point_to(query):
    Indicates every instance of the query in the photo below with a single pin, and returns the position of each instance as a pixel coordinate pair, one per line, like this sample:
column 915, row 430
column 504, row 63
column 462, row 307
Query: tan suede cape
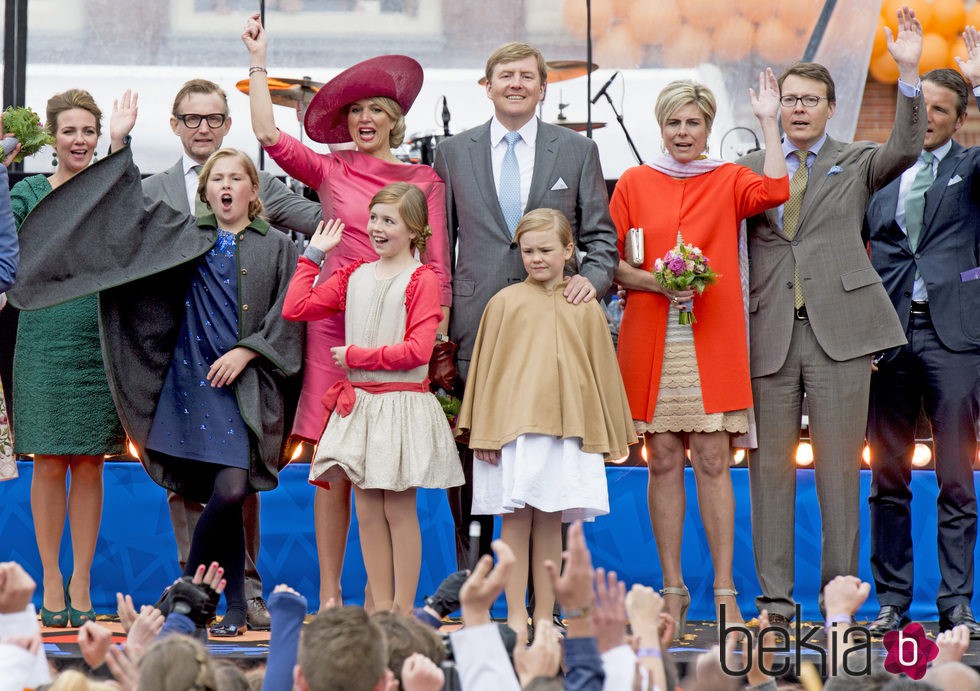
column 543, row 366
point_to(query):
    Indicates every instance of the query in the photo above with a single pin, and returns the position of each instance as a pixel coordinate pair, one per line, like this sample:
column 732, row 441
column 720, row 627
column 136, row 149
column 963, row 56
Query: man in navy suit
column 924, row 230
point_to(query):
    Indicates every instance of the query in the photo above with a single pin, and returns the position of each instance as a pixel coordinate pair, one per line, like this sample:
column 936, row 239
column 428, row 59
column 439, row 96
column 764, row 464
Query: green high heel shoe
column 54, row 619
column 77, row 617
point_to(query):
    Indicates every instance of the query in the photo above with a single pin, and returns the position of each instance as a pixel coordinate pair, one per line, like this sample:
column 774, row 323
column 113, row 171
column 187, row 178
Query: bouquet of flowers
column 26, row 127
column 684, row 267
column 450, row 406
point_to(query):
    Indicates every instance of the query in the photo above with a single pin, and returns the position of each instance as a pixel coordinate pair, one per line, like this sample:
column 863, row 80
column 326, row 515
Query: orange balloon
column 884, row 69
column 688, row 48
column 922, row 9
column 575, row 19
column 973, row 15
column 758, row 10
column 733, row 40
column 956, row 49
column 880, row 44
column 619, row 49
column 706, row 14
column 948, row 17
column 654, row 22
column 799, row 16
column 777, row 44
column 935, row 53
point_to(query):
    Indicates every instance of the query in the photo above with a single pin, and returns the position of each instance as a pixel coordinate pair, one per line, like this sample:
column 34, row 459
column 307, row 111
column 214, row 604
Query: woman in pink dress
column 364, row 104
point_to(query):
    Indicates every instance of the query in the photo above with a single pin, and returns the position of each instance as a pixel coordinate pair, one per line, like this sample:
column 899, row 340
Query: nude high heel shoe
column 685, row 595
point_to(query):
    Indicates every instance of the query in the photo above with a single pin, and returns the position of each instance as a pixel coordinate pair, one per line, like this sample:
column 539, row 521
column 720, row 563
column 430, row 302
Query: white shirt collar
column 188, row 163
column 942, row 151
column 528, row 132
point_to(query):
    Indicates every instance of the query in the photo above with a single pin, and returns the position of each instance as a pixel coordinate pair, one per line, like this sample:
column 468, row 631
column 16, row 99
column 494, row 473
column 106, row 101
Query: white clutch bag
column 633, row 247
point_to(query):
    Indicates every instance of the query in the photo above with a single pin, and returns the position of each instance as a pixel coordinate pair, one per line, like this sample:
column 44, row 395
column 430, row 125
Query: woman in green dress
column 63, row 411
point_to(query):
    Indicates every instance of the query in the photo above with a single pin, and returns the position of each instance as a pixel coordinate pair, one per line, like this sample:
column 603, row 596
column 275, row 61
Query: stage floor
column 136, row 551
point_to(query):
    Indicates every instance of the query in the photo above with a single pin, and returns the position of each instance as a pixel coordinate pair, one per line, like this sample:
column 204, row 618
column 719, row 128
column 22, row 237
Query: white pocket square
column 954, row 180
column 560, row 185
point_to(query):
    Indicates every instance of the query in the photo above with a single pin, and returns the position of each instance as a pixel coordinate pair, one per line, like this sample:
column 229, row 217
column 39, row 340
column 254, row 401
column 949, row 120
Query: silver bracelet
column 256, row 68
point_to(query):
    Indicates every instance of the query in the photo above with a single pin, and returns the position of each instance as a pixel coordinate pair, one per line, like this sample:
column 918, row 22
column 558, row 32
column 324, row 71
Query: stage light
column 739, row 456
column 133, row 451
column 804, row 454
column 618, row 461
column 866, row 455
column 921, row 456
column 297, row 452
column 644, row 454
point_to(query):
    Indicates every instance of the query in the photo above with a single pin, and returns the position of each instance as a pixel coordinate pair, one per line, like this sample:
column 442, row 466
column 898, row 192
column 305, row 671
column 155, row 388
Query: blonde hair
column 683, row 92
column 176, row 663
column 69, row 100
column 412, row 207
column 512, row 52
column 395, row 113
column 73, row 680
column 545, row 219
column 254, row 206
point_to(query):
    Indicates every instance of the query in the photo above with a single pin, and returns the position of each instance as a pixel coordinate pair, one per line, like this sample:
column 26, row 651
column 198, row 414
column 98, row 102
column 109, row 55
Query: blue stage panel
column 136, row 551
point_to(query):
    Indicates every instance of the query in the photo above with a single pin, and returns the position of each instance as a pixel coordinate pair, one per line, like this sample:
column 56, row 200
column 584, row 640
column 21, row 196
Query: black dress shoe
column 222, row 630
column 257, row 615
column 960, row 614
column 890, row 618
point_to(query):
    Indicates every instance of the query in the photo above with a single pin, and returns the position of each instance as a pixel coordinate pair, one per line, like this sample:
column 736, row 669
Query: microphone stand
column 619, row 119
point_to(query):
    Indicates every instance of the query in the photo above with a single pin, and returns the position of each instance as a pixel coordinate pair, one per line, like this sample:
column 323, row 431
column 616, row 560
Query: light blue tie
column 510, row 184
column 915, row 200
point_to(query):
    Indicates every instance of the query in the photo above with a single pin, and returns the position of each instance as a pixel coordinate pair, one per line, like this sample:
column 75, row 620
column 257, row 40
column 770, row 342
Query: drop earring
column 95, row 156
column 54, row 159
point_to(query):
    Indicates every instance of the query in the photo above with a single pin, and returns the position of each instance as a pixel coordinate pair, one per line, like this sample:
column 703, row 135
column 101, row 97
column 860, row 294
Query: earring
column 95, row 156
column 663, row 149
column 54, row 159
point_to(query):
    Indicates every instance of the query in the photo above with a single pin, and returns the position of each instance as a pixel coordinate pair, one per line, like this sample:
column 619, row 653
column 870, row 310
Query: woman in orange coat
column 689, row 384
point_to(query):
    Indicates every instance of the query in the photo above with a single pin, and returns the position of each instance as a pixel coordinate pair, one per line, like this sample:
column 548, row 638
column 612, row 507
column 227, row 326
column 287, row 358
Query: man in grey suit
column 817, row 312
column 925, row 242
column 554, row 168
column 200, row 119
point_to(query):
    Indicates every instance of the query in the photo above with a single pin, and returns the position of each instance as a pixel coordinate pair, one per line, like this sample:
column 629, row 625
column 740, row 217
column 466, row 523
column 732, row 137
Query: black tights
column 219, row 536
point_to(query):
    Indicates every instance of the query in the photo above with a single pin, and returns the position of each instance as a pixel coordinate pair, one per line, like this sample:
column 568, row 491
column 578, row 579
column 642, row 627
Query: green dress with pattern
column 62, row 403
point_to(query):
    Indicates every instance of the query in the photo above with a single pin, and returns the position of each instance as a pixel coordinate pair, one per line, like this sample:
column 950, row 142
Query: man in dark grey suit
column 817, row 313
column 925, row 243
column 200, row 119
column 557, row 169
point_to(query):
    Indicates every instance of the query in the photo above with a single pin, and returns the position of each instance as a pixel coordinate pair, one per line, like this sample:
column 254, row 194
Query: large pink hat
column 398, row 77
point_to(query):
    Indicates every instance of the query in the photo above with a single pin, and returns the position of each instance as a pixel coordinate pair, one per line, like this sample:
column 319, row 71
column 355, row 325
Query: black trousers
column 924, row 375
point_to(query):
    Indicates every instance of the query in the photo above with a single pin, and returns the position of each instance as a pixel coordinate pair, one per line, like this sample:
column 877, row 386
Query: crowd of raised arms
column 207, row 337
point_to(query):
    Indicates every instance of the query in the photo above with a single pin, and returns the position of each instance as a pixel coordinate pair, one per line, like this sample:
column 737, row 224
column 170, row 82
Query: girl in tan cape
column 545, row 407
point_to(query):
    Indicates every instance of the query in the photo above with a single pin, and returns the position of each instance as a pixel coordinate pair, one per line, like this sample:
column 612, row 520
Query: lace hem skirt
column 680, row 406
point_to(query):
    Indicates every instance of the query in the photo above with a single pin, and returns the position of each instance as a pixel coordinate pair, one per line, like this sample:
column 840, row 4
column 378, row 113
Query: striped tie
column 791, row 216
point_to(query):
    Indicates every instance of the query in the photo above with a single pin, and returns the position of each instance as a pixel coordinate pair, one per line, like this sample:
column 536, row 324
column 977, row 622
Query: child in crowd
column 386, row 432
column 545, row 406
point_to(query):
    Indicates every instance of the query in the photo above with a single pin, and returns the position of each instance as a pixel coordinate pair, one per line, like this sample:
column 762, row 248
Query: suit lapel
column 479, row 146
column 935, row 193
column 818, row 178
column 175, row 188
column 545, row 158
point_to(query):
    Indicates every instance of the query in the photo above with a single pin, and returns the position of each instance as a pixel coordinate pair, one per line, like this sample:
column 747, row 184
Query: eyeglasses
column 193, row 120
column 808, row 101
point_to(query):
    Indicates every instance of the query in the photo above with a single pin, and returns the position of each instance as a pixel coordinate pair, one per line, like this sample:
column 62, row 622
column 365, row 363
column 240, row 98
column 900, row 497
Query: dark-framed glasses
column 808, row 101
column 193, row 120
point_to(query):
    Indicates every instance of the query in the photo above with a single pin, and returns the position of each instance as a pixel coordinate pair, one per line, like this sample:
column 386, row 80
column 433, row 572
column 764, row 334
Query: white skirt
column 543, row 472
column 394, row 441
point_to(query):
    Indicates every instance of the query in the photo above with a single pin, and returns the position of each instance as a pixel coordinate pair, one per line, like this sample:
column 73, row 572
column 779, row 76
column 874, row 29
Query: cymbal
column 287, row 91
column 560, row 70
column 578, row 126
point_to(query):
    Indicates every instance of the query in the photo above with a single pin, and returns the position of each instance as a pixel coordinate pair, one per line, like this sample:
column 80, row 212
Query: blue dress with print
column 194, row 420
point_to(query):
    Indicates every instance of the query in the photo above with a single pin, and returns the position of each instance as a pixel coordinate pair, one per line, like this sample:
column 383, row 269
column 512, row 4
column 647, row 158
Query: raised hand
column 16, row 588
column 146, row 627
column 542, row 658
column 485, row 584
column 765, row 102
column 610, row 610
column 255, row 38
column 126, row 611
column 906, row 46
column 971, row 66
column 123, row 118
column 952, row 644
column 328, row 235
column 419, row 673
column 94, row 641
